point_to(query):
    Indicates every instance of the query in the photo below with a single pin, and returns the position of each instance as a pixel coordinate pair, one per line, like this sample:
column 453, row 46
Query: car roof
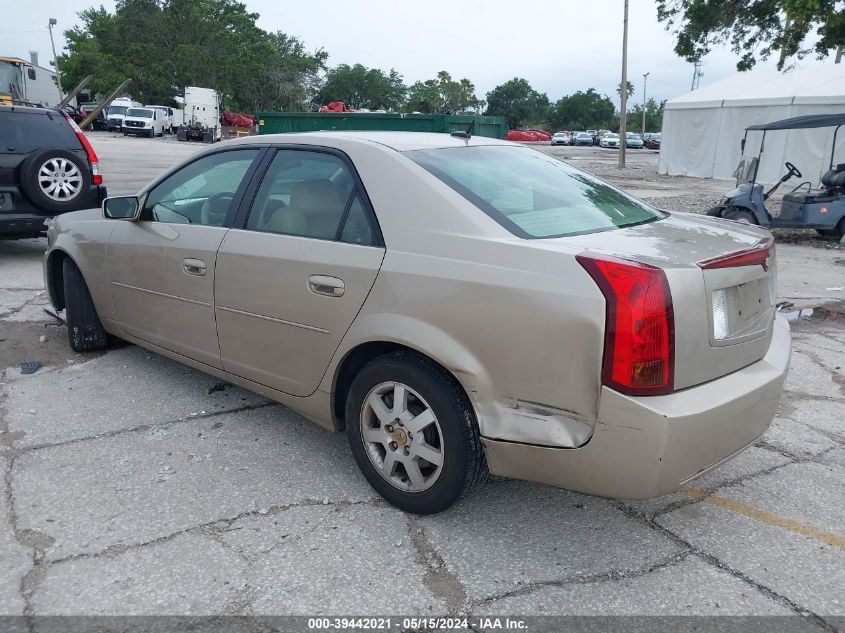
column 400, row 141
column 30, row 110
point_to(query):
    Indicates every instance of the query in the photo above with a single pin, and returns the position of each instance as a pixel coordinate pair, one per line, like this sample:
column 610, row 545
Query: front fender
column 83, row 236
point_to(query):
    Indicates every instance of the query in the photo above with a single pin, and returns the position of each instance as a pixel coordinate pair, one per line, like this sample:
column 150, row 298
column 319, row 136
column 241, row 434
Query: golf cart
column 802, row 208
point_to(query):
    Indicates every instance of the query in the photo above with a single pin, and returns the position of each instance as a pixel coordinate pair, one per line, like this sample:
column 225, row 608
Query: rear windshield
column 23, row 131
column 532, row 194
column 144, row 114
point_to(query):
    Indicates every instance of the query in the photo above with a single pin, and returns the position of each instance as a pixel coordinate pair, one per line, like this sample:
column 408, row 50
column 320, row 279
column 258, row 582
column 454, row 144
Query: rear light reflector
column 639, row 339
column 97, row 177
column 719, row 299
column 757, row 255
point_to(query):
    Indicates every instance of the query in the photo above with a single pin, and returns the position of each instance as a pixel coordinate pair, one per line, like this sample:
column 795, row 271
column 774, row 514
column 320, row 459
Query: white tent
column 703, row 128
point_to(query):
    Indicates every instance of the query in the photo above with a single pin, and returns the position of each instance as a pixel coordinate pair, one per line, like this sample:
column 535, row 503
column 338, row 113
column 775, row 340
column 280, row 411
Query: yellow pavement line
column 829, row 538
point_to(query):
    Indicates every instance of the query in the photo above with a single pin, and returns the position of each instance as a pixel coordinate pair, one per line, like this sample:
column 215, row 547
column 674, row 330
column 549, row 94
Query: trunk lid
column 724, row 304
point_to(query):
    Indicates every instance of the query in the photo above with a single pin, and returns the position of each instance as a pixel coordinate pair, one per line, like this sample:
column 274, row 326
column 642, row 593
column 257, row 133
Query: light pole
column 50, row 26
column 623, row 92
column 645, row 82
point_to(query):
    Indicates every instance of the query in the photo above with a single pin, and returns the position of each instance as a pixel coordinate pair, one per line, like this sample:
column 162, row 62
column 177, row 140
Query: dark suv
column 47, row 167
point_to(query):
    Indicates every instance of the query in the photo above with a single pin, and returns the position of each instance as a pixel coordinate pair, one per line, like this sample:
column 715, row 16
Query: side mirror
column 742, row 146
column 122, row 208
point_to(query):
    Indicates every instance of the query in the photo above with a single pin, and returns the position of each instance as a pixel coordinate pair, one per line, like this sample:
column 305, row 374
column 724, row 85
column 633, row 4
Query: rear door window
column 531, row 194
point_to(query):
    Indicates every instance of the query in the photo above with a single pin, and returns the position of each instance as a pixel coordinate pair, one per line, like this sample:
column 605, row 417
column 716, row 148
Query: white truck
column 27, row 82
column 201, row 116
column 117, row 112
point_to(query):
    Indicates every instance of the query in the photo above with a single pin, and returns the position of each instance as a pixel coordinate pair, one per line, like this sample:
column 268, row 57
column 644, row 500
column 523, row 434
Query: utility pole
column 623, row 92
column 50, row 26
column 645, row 83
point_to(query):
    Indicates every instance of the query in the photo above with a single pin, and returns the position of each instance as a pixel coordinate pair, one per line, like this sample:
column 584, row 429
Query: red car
column 652, row 141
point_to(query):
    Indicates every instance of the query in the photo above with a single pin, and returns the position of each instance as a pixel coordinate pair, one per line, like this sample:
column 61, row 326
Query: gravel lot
column 134, row 485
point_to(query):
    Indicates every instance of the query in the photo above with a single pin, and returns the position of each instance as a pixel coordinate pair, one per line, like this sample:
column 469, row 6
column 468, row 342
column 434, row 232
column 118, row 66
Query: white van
column 144, row 122
column 117, row 110
column 172, row 117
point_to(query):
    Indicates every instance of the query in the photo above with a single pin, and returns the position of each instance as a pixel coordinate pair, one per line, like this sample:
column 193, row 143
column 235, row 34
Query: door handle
column 194, row 266
column 325, row 285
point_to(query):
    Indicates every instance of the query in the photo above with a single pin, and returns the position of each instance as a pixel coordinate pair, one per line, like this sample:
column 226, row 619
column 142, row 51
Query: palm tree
column 630, row 89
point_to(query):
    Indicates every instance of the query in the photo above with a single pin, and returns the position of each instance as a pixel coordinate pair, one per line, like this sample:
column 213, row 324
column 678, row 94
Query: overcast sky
column 558, row 46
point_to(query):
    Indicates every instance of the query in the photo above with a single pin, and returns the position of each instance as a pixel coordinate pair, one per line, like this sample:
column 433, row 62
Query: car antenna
column 465, row 134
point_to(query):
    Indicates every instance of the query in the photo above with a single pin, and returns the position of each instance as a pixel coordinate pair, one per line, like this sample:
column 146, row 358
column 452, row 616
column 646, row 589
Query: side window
column 30, row 72
column 201, row 192
column 303, row 193
column 357, row 228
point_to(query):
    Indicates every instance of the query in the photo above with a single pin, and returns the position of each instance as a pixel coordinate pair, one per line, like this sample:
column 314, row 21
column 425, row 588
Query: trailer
column 201, row 116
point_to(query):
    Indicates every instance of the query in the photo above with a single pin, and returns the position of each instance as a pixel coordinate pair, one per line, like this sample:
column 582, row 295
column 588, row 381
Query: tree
column 630, row 89
column 653, row 116
column 754, row 29
column 361, row 87
column 519, row 103
column 165, row 45
column 442, row 95
column 582, row 111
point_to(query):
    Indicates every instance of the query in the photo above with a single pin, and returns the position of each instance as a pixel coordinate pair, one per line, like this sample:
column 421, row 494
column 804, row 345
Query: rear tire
column 453, row 434
column 85, row 331
column 738, row 214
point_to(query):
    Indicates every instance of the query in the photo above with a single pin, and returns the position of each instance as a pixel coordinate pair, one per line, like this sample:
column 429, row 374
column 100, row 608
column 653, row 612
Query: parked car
column 343, row 274
column 143, row 122
column 597, row 136
column 634, row 141
column 99, row 123
column 583, row 138
column 610, row 140
column 560, row 138
column 652, row 142
column 47, row 167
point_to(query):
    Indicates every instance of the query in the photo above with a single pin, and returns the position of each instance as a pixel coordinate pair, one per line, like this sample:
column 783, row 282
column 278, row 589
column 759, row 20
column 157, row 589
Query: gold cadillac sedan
column 458, row 305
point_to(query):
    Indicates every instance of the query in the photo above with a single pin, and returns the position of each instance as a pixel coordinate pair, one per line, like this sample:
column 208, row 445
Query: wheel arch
column 54, row 277
column 363, row 352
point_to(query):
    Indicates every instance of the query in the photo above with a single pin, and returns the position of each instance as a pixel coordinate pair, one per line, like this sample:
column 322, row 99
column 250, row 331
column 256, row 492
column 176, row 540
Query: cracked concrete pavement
column 134, row 485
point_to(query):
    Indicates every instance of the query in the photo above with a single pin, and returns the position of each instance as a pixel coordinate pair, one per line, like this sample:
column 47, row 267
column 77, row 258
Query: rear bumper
column 20, row 218
column 644, row 447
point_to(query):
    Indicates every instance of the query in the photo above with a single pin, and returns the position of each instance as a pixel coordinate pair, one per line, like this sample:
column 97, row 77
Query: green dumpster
column 281, row 122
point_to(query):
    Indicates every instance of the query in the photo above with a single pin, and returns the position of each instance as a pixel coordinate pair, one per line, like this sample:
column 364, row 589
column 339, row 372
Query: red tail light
column 92, row 155
column 639, row 339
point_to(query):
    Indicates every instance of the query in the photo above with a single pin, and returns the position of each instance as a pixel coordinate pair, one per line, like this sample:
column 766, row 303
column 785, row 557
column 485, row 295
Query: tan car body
column 518, row 322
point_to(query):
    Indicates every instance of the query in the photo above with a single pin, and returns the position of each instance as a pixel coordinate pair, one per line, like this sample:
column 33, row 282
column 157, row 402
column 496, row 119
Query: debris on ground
column 30, row 366
column 218, row 386
column 55, row 316
column 165, row 473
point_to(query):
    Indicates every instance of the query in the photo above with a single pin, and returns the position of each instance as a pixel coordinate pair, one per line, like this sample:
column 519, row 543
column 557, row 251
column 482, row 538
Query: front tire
column 85, row 331
column 413, row 433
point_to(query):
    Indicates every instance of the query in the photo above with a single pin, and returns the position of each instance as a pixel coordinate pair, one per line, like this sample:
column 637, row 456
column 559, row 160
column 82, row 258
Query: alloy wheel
column 60, row 179
column 402, row 436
